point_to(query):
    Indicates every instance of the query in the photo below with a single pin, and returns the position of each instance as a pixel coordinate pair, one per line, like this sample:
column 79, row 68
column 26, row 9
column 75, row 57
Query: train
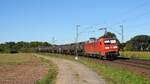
column 103, row 47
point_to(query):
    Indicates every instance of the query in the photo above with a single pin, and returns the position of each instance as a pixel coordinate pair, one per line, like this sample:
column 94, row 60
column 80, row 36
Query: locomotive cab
column 102, row 47
column 109, row 47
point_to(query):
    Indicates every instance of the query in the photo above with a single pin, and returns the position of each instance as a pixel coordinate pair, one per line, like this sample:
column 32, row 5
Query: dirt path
column 75, row 73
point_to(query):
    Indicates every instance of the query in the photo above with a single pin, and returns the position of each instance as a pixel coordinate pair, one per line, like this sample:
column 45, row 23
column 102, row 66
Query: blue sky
column 41, row 20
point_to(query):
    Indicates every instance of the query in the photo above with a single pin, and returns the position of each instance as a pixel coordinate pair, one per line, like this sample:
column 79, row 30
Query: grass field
column 23, row 66
column 15, row 59
column 113, row 75
column 136, row 55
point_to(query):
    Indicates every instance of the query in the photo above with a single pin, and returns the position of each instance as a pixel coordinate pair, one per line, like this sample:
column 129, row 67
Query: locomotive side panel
column 93, row 48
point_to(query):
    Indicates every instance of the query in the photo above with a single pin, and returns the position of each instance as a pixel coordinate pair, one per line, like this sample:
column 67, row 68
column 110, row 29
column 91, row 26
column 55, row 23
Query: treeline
column 15, row 47
column 137, row 43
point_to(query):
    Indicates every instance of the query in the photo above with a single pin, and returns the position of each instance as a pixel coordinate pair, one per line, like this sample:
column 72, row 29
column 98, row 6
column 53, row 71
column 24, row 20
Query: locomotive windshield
column 112, row 41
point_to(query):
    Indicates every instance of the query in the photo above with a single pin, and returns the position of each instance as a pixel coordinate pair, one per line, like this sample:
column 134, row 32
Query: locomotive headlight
column 106, row 47
column 115, row 46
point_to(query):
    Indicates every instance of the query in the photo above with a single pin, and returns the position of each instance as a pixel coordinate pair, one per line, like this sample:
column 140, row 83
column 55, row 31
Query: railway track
column 139, row 62
column 134, row 63
column 130, row 63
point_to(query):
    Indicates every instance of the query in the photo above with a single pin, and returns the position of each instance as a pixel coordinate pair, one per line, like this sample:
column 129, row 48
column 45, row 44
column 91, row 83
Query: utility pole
column 77, row 36
column 53, row 43
column 122, row 37
column 105, row 30
column 53, row 40
column 122, row 34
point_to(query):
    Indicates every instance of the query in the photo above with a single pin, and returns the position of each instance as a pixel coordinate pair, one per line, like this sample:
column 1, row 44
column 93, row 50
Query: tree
column 129, row 47
column 12, row 47
column 122, row 45
column 110, row 34
column 138, row 43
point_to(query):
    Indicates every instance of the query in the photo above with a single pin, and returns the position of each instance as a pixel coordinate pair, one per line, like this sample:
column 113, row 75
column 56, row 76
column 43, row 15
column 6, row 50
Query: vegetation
column 138, row 43
column 110, row 34
column 52, row 73
column 114, row 75
column 136, row 55
column 49, row 78
column 137, row 47
column 29, row 59
column 14, row 59
column 12, row 47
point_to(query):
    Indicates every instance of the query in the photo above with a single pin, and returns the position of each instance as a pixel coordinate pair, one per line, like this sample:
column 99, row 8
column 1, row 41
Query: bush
column 13, row 51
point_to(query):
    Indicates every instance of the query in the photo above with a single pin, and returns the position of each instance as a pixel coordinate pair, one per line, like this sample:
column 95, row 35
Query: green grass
column 49, row 78
column 26, row 58
column 136, row 55
column 113, row 75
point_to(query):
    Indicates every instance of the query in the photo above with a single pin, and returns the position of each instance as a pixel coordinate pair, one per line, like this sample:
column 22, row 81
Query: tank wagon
column 104, row 47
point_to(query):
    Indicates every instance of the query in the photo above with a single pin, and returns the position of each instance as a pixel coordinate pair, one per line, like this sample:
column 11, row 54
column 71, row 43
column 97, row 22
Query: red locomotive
column 104, row 47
